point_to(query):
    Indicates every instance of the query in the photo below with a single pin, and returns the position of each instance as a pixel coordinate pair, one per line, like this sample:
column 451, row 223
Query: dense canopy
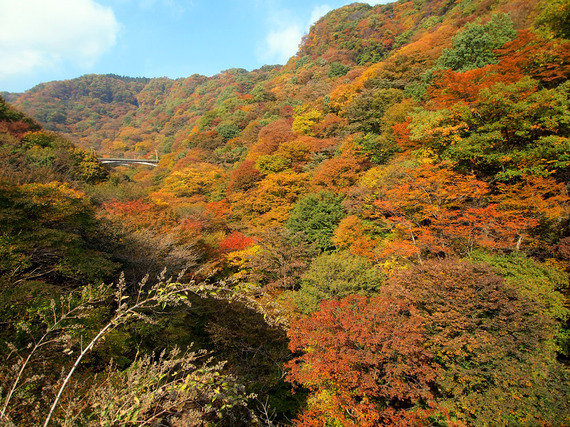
column 375, row 233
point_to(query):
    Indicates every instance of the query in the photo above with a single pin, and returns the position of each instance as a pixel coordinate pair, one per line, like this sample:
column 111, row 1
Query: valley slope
column 388, row 212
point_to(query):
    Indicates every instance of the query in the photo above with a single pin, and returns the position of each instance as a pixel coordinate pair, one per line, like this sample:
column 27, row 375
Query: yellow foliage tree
column 270, row 203
column 296, row 150
column 304, row 122
column 199, row 178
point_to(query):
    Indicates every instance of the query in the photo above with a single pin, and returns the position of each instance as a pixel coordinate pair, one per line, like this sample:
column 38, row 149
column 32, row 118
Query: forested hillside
column 375, row 233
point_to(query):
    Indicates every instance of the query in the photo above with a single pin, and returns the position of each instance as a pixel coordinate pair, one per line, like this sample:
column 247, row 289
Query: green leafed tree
column 474, row 46
column 338, row 70
column 555, row 18
column 538, row 281
column 228, row 130
column 492, row 341
column 317, row 215
column 337, row 275
column 509, row 130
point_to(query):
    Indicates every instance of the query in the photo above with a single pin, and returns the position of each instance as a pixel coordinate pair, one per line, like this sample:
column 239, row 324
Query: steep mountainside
column 395, row 199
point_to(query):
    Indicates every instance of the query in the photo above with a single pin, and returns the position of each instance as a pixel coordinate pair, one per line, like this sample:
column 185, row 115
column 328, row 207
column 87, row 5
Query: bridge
column 126, row 162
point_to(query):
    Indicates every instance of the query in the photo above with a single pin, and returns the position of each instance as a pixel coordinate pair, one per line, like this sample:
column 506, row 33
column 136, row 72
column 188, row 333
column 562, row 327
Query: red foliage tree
column 244, row 177
column 273, row 135
column 360, row 358
column 236, row 241
column 446, row 340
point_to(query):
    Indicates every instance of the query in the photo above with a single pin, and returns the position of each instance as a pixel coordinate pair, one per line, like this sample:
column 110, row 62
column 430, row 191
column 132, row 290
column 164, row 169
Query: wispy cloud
column 281, row 44
column 319, row 12
column 37, row 34
column 283, row 40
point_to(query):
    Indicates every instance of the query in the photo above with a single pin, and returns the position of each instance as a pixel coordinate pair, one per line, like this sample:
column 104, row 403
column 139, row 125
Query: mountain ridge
column 351, row 34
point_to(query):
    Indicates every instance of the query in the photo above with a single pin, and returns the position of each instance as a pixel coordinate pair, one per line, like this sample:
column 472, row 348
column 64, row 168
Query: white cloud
column 319, row 12
column 36, row 35
column 282, row 41
column 281, row 44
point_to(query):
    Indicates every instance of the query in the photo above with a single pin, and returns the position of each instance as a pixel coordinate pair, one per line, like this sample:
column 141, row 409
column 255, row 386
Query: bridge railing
column 122, row 161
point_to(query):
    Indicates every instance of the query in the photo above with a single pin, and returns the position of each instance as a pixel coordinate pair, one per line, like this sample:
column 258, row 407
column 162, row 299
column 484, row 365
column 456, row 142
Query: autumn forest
column 376, row 233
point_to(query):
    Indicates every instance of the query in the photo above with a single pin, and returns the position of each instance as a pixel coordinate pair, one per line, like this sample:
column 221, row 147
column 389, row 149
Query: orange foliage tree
column 271, row 136
column 350, row 234
column 138, row 214
column 340, row 173
column 434, row 209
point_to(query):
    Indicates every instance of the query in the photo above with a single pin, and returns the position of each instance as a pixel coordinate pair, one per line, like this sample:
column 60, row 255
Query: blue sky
column 45, row 40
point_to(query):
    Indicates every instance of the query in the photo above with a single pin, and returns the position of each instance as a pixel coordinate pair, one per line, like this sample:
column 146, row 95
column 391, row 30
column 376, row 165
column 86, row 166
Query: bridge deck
column 118, row 161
